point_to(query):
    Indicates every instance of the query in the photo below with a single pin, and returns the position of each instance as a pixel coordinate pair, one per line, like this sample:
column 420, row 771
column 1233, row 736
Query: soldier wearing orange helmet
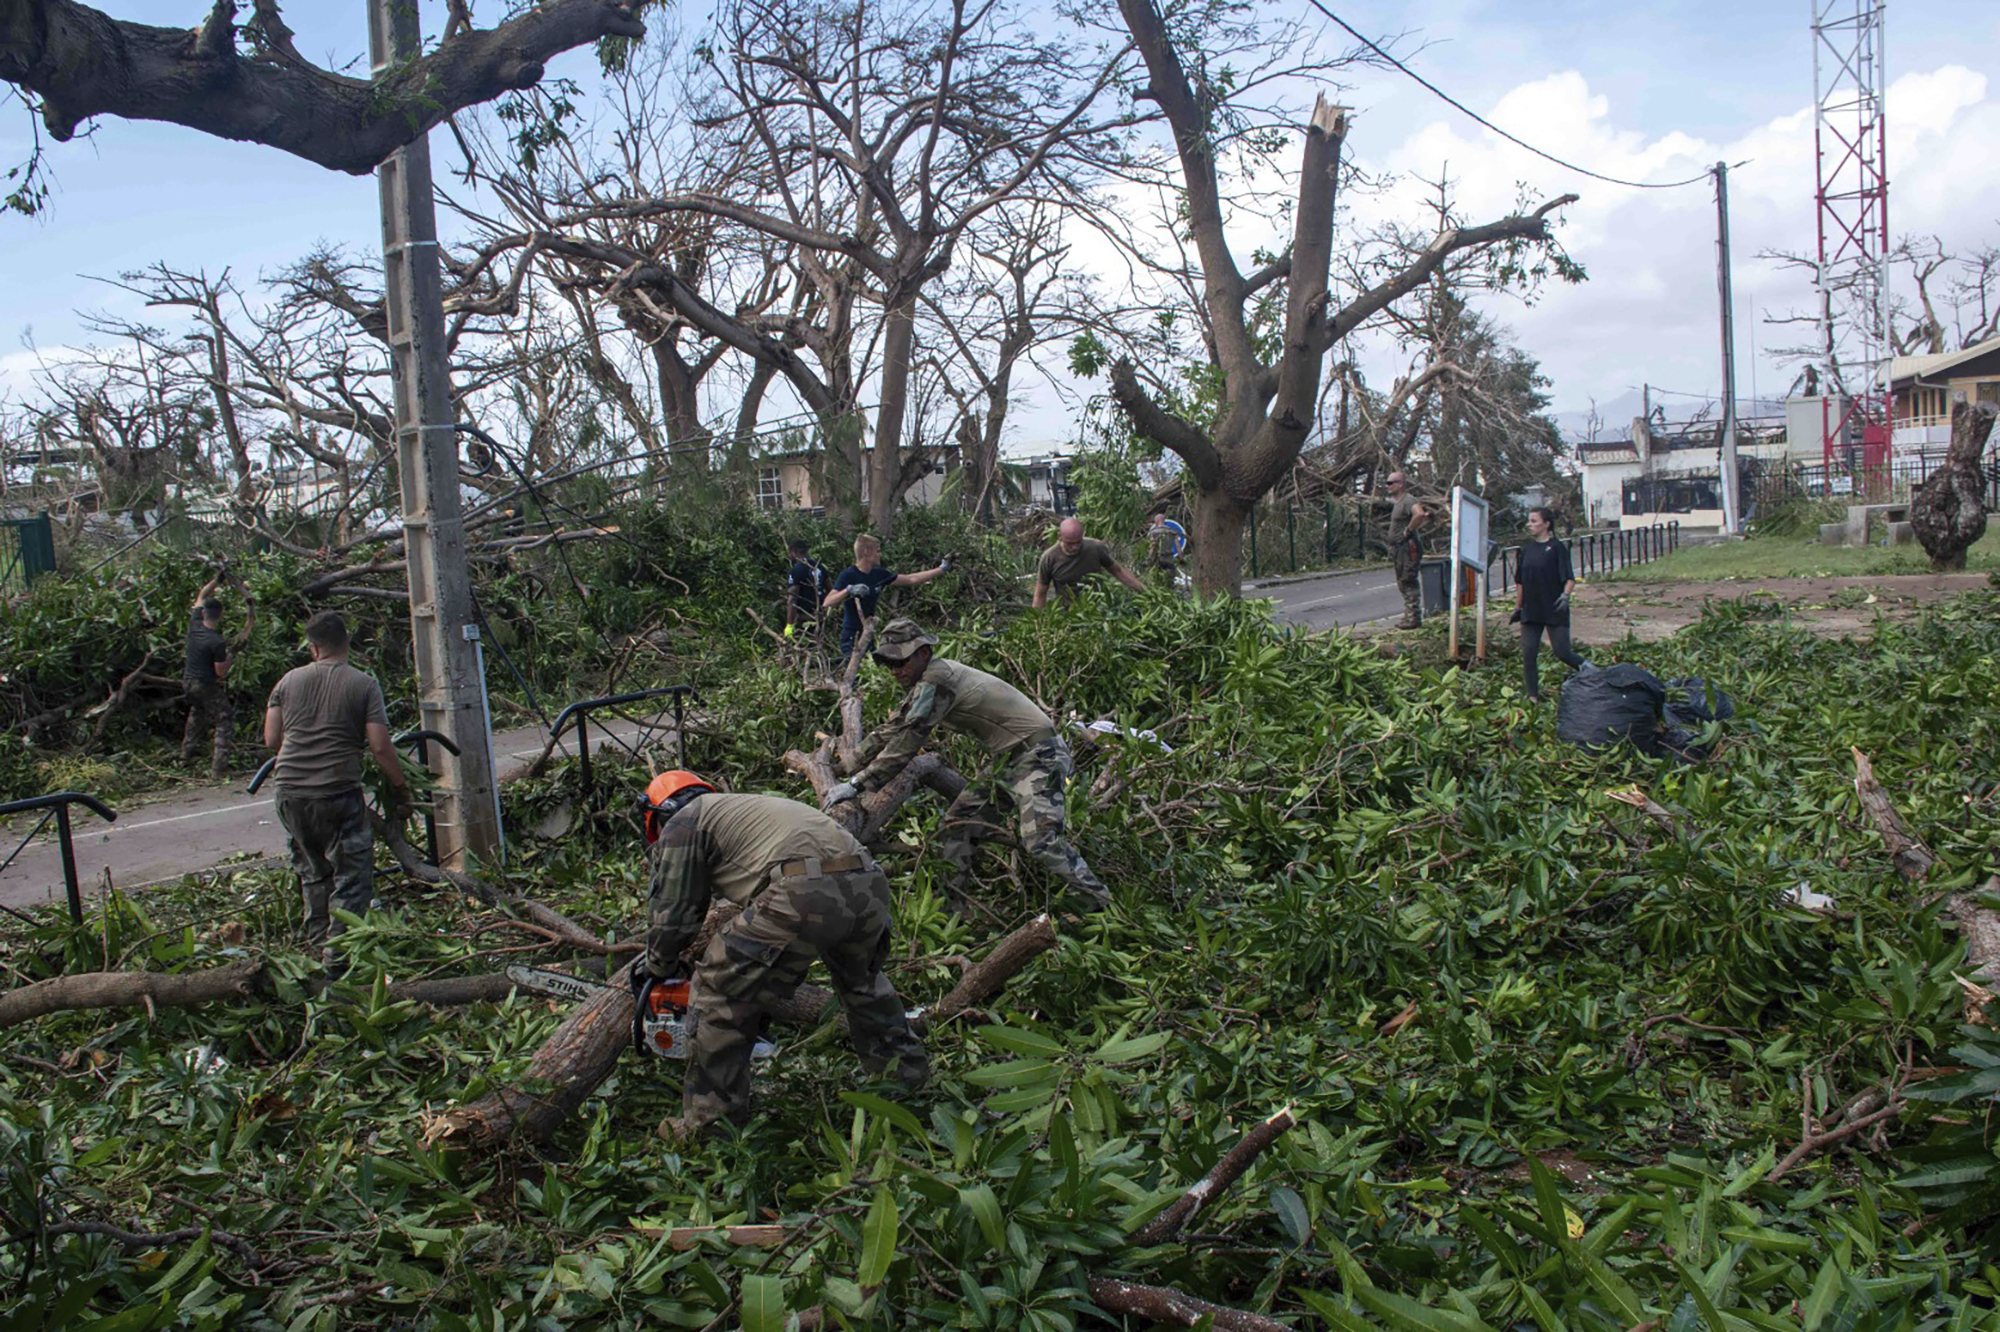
column 809, row 891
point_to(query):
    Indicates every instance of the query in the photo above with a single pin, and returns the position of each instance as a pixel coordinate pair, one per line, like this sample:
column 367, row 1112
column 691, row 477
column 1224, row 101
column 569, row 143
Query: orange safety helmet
column 666, row 793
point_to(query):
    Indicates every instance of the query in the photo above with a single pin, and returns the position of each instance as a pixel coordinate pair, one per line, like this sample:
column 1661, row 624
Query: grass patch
column 1791, row 557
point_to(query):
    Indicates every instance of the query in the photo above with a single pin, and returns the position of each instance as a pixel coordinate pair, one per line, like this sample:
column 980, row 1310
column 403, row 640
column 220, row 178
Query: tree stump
column 1948, row 511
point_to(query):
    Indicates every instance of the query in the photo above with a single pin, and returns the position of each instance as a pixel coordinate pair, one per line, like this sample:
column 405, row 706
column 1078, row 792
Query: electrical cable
column 1519, row 142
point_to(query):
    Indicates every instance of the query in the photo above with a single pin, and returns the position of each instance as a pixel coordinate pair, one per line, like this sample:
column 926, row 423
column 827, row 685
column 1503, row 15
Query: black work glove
column 1515, row 618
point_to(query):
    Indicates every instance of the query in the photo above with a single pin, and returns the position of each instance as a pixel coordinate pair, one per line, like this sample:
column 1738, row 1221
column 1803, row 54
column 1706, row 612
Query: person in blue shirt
column 859, row 587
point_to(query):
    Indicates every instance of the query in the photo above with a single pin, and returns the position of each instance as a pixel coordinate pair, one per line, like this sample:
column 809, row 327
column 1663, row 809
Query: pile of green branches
column 1553, row 1026
column 659, row 598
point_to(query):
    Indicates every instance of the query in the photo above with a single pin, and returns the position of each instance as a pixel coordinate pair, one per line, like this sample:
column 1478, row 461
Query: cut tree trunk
column 1948, row 511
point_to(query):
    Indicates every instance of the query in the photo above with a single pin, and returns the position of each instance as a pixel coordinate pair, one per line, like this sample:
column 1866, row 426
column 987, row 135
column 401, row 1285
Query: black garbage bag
column 1603, row 706
column 1692, row 705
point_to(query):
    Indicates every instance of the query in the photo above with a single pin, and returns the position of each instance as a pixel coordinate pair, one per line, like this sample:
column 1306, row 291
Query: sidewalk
column 207, row 827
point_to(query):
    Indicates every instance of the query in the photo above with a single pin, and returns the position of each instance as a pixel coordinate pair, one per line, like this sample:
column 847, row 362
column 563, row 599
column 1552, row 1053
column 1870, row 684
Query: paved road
column 201, row 828
column 1337, row 598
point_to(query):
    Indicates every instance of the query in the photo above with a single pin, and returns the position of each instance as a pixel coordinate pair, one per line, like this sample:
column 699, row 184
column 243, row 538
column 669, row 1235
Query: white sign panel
column 1468, row 527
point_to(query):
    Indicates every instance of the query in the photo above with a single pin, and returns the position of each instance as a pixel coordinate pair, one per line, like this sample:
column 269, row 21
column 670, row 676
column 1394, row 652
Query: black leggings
column 1531, row 649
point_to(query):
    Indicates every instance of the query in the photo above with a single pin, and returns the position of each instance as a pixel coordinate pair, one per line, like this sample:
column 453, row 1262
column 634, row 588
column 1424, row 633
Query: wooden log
column 1912, row 858
column 1162, row 1304
column 575, row 1058
column 128, row 989
column 1224, row 1173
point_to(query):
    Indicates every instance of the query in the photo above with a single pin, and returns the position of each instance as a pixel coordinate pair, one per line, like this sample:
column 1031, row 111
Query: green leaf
column 1022, row 1042
column 1129, row 1049
column 764, row 1307
column 1016, row 1073
column 984, row 1204
column 883, row 1108
column 1291, row 1210
column 878, row 1239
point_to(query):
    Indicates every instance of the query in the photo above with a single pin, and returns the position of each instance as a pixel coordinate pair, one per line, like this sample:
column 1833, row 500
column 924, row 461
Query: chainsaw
column 664, row 1025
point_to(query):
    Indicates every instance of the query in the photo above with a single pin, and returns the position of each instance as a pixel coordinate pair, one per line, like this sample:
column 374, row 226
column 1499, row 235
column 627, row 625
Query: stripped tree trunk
column 1948, row 511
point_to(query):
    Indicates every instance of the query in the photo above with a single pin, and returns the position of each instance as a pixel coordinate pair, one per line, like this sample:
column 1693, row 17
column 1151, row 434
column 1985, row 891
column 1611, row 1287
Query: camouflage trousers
column 759, row 959
column 1408, row 559
column 1031, row 780
column 333, row 850
column 208, row 707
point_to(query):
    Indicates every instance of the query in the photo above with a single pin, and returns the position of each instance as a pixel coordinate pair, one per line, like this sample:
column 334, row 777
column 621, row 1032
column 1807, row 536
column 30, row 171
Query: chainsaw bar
column 562, row 985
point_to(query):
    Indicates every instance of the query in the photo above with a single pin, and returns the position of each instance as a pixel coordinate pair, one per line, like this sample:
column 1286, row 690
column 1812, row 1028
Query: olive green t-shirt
column 1400, row 514
column 1063, row 571
column 326, row 709
column 743, row 836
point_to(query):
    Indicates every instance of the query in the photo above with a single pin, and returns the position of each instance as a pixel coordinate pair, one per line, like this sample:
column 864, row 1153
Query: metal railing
column 582, row 708
column 57, row 804
column 1879, row 482
column 1593, row 553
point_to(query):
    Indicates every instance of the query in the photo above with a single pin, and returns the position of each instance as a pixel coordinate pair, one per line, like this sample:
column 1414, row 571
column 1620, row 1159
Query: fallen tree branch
column 1224, row 1173
column 560, row 927
column 112, row 706
column 1162, row 1304
column 128, row 989
column 143, row 1239
column 1912, row 858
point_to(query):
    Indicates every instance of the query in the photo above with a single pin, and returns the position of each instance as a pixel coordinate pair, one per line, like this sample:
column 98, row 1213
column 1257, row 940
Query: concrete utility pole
column 1732, row 503
column 450, row 691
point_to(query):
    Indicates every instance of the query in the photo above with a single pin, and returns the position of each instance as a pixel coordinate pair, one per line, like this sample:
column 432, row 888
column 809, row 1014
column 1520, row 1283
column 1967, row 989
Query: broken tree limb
column 866, row 818
column 1912, row 858
column 1162, row 1304
column 1980, row 927
column 109, row 709
column 564, row 930
column 1225, row 1172
column 127, row 989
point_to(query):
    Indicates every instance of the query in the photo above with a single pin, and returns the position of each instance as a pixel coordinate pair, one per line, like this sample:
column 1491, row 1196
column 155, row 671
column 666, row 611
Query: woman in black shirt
column 1542, row 591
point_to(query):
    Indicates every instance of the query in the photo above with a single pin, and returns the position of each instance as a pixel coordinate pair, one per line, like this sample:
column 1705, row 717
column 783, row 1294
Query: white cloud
column 1648, row 313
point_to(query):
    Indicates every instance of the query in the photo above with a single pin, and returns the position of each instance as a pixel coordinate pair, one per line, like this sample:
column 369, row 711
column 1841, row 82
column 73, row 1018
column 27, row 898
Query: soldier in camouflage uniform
column 1031, row 762
column 1407, row 519
column 809, row 890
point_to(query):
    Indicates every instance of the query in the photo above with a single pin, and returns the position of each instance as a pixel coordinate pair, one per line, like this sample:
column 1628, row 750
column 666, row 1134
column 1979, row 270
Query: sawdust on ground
column 1830, row 607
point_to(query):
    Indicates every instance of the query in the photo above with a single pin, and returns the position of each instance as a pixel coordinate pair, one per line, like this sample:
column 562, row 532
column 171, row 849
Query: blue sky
column 1654, row 89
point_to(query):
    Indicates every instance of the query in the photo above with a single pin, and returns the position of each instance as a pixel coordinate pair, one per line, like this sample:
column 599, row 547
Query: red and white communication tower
column 1851, row 143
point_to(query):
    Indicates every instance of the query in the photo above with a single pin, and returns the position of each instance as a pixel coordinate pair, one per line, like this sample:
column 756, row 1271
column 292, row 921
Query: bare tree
column 1267, row 379
column 887, row 134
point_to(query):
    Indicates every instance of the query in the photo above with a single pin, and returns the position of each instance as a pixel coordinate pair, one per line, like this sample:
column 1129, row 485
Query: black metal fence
column 1593, row 553
column 27, row 551
column 1876, row 483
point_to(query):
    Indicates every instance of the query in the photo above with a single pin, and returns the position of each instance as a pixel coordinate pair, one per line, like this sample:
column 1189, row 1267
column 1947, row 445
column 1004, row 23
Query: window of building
column 770, row 489
column 1989, row 391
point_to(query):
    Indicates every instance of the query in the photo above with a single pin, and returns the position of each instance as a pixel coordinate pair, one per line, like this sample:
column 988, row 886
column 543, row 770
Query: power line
column 1519, row 142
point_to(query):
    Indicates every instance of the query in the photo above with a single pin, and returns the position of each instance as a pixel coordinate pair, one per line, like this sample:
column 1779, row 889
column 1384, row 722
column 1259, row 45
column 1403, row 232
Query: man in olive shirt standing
column 202, row 679
column 1407, row 519
column 1074, row 558
column 1031, row 761
column 319, row 720
column 808, row 891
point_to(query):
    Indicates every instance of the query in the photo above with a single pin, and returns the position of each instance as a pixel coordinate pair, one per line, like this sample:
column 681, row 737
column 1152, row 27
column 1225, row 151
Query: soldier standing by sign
column 1407, row 518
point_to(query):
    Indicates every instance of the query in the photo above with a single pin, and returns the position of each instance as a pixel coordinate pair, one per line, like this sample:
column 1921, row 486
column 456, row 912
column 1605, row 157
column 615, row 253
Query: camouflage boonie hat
column 900, row 639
